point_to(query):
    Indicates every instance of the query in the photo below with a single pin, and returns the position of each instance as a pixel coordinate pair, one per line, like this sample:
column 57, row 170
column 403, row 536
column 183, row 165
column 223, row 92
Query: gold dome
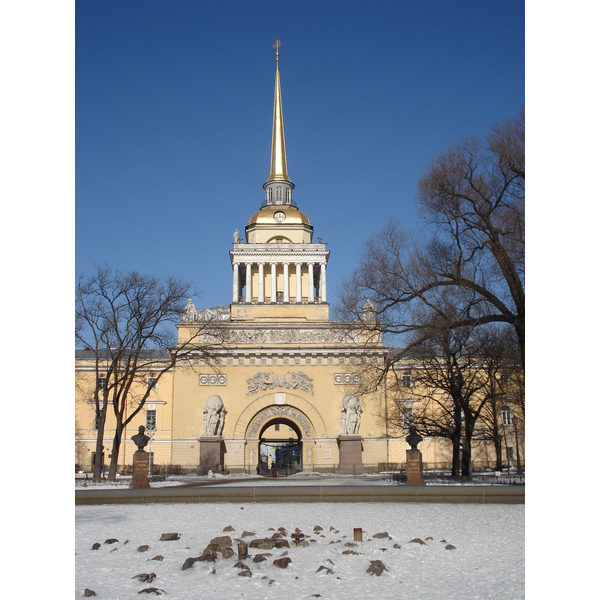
column 266, row 216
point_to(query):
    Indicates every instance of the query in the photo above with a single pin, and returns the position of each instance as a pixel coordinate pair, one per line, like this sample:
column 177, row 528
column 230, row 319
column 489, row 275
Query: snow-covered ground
column 469, row 551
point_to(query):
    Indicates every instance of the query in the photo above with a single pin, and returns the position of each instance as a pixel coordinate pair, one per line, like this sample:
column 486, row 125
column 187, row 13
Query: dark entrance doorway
column 280, row 448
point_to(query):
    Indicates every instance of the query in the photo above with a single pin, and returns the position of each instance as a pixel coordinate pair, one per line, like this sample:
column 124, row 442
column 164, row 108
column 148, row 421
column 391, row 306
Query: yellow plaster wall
column 292, row 313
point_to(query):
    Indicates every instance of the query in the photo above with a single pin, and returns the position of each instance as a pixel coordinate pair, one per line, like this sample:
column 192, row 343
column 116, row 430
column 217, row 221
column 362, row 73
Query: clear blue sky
column 174, row 105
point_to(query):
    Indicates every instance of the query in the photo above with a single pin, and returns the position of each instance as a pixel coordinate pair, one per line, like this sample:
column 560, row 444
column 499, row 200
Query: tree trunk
column 97, row 473
column 467, row 463
column 456, row 441
column 114, row 456
column 498, row 448
column 455, row 457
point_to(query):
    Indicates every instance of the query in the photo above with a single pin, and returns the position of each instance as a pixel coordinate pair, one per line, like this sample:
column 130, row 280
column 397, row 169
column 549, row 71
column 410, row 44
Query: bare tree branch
column 124, row 324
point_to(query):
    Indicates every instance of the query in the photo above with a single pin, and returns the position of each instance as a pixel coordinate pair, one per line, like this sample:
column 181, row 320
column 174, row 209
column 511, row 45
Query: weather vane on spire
column 276, row 46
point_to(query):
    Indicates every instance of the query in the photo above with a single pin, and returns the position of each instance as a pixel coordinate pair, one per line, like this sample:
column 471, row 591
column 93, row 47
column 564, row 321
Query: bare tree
column 472, row 199
column 464, row 270
column 446, row 380
column 500, row 361
column 125, row 326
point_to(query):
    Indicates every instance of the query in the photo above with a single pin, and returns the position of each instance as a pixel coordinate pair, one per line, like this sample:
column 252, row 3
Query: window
column 276, row 426
column 102, row 381
column 151, row 419
column 504, row 379
column 407, row 417
column 405, row 409
column 152, row 383
column 406, row 381
column 506, row 415
column 509, row 453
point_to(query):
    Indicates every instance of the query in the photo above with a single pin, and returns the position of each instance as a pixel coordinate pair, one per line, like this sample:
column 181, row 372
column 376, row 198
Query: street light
column 150, row 434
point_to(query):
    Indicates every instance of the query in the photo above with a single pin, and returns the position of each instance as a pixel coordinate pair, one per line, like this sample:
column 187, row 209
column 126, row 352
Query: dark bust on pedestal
column 414, row 459
column 140, row 459
column 413, row 438
column 140, row 439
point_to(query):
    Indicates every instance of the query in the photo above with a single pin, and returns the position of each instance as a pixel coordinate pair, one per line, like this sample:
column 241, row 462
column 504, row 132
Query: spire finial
column 278, row 159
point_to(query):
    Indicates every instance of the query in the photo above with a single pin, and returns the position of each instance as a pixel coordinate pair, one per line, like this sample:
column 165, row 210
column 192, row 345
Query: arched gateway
column 279, row 408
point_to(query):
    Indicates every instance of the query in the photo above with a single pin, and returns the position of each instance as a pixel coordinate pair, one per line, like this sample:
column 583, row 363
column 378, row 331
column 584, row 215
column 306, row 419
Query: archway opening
column 280, row 448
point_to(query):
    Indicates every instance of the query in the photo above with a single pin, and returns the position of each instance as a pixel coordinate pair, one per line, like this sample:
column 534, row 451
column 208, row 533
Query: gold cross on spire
column 276, row 46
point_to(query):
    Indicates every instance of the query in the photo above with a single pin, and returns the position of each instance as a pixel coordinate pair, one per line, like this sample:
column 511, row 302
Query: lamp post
column 150, row 458
column 515, row 421
column 506, row 446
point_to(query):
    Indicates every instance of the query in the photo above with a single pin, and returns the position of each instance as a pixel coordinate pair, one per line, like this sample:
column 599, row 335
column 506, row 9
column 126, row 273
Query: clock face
column 279, row 216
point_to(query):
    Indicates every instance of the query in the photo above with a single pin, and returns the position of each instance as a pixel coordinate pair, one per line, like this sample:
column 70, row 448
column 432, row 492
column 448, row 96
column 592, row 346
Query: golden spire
column 278, row 160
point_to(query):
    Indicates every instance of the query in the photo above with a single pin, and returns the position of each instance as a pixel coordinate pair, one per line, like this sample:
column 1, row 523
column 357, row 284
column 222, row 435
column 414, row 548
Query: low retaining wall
column 309, row 493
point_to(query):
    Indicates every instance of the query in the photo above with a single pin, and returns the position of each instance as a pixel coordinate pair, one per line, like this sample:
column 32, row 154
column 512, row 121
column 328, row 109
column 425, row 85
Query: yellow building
column 285, row 386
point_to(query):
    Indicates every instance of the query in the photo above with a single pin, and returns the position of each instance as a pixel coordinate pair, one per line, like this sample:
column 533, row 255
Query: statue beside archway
column 349, row 440
column 212, row 448
column 214, row 417
column 351, row 412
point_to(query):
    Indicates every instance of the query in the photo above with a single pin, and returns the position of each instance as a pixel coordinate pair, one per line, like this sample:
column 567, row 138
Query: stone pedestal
column 212, row 453
column 140, row 470
column 350, row 454
column 414, row 468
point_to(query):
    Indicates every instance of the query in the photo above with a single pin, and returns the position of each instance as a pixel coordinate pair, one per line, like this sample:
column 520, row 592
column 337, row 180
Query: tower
column 285, row 377
column 278, row 271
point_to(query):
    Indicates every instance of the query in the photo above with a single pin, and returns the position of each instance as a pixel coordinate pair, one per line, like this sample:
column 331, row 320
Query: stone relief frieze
column 346, row 378
column 212, row 379
column 280, row 411
column 203, row 315
column 291, row 336
column 267, row 381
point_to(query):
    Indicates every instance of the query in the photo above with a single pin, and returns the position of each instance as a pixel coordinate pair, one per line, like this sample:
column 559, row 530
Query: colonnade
column 251, row 268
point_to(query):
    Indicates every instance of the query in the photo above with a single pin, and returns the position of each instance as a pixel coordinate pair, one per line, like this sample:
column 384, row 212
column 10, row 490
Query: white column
column 261, row 282
column 311, row 283
column 236, row 282
column 286, row 283
column 273, row 282
column 323, row 284
column 248, row 282
column 298, row 283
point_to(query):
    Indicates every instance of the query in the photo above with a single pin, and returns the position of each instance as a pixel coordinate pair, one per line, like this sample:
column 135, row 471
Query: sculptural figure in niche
column 351, row 412
column 214, row 417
